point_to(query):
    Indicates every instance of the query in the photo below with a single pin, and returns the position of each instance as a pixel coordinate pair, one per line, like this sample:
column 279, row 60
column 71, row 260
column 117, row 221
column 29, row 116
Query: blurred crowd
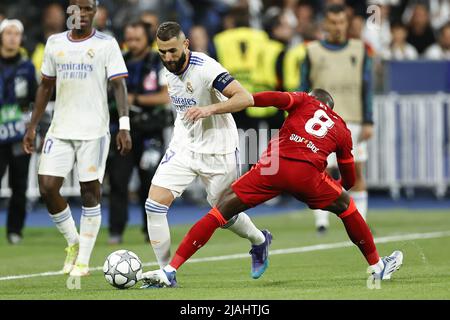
column 396, row 29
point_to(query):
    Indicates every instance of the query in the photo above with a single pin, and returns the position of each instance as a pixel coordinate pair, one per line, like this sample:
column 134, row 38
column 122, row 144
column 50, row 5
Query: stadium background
column 409, row 155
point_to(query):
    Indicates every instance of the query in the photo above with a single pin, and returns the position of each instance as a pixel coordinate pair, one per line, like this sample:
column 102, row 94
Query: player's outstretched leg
column 61, row 215
column 359, row 233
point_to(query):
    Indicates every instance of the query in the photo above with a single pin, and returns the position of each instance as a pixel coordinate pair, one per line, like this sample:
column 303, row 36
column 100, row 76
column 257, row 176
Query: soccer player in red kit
column 295, row 163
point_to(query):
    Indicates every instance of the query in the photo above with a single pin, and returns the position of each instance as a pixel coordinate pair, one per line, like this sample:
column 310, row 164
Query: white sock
column 169, row 268
column 378, row 267
column 158, row 231
column 321, row 217
column 360, row 198
column 244, row 228
column 66, row 225
column 91, row 219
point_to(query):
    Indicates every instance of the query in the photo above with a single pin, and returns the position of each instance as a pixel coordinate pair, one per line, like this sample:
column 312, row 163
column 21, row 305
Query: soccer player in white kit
column 80, row 62
column 206, row 148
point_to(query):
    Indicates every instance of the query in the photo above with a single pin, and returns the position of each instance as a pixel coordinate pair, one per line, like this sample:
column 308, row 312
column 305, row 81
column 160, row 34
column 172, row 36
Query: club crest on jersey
column 91, row 53
column 189, row 88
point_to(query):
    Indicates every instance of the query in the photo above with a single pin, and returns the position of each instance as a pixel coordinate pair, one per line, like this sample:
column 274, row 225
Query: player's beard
column 176, row 66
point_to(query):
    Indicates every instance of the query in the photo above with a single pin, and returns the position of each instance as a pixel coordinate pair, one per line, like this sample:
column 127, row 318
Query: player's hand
column 196, row 113
column 123, row 141
column 366, row 132
column 28, row 140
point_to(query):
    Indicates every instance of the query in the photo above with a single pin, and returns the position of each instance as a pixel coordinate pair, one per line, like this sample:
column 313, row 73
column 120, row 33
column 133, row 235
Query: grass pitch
column 329, row 273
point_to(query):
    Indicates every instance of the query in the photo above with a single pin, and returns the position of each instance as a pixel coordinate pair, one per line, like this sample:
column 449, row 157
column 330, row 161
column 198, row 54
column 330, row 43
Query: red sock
column 197, row 236
column 359, row 233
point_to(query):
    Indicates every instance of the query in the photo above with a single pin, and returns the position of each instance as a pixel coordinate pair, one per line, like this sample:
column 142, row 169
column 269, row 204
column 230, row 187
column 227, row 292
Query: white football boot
column 159, row 279
column 391, row 264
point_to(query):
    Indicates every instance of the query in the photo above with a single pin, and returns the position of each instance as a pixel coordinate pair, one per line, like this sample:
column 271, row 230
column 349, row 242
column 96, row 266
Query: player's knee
column 90, row 193
column 340, row 204
column 225, row 196
column 230, row 206
column 161, row 195
column 47, row 189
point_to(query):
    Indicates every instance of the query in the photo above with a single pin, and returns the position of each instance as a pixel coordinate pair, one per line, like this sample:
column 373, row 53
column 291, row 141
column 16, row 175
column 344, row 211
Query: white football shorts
column 359, row 148
column 179, row 168
column 59, row 156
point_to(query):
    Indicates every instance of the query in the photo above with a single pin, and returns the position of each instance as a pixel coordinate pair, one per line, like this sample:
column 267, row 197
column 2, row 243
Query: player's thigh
column 254, row 188
column 217, row 173
column 174, row 172
column 317, row 189
column 57, row 157
column 91, row 156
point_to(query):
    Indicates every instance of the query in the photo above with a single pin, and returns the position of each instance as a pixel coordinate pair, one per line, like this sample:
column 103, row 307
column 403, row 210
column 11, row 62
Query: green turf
column 326, row 274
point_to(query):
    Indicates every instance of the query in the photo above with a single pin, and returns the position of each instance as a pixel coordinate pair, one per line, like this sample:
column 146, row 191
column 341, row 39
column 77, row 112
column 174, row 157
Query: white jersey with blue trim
column 82, row 69
column 199, row 85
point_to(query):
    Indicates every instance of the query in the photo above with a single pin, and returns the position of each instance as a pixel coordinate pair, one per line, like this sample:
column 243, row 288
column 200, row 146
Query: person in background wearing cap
column 17, row 90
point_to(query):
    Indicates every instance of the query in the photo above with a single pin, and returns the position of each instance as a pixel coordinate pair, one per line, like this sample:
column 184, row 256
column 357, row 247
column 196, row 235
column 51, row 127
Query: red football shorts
column 301, row 179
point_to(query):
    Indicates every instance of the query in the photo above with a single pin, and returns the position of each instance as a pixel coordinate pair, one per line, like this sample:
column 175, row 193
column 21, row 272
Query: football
column 122, row 269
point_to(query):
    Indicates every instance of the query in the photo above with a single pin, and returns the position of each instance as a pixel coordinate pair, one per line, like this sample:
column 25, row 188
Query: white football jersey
column 199, row 85
column 82, row 70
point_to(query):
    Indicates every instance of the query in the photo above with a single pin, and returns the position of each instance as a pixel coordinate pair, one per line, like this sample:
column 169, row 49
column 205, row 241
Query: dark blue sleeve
column 222, row 81
column 367, row 90
column 305, row 68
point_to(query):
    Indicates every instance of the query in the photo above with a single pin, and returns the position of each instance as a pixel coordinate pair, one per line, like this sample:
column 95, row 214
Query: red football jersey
column 310, row 133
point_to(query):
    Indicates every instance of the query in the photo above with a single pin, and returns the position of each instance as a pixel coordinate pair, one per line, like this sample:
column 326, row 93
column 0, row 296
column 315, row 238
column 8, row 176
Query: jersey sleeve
column 115, row 64
column 344, row 151
column 216, row 76
column 277, row 99
column 48, row 68
column 345, row 160
column 298, row 99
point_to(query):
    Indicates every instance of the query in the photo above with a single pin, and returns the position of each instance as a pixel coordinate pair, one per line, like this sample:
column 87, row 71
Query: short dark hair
column 323, row 96
column 168, row 30
column 145, row 26
column 334, row 8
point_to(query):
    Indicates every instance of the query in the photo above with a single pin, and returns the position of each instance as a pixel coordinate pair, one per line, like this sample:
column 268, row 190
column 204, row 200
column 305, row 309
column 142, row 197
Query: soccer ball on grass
column 122, row 269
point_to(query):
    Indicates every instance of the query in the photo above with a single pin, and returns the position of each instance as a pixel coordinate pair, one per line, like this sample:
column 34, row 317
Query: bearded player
column 207, row 148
